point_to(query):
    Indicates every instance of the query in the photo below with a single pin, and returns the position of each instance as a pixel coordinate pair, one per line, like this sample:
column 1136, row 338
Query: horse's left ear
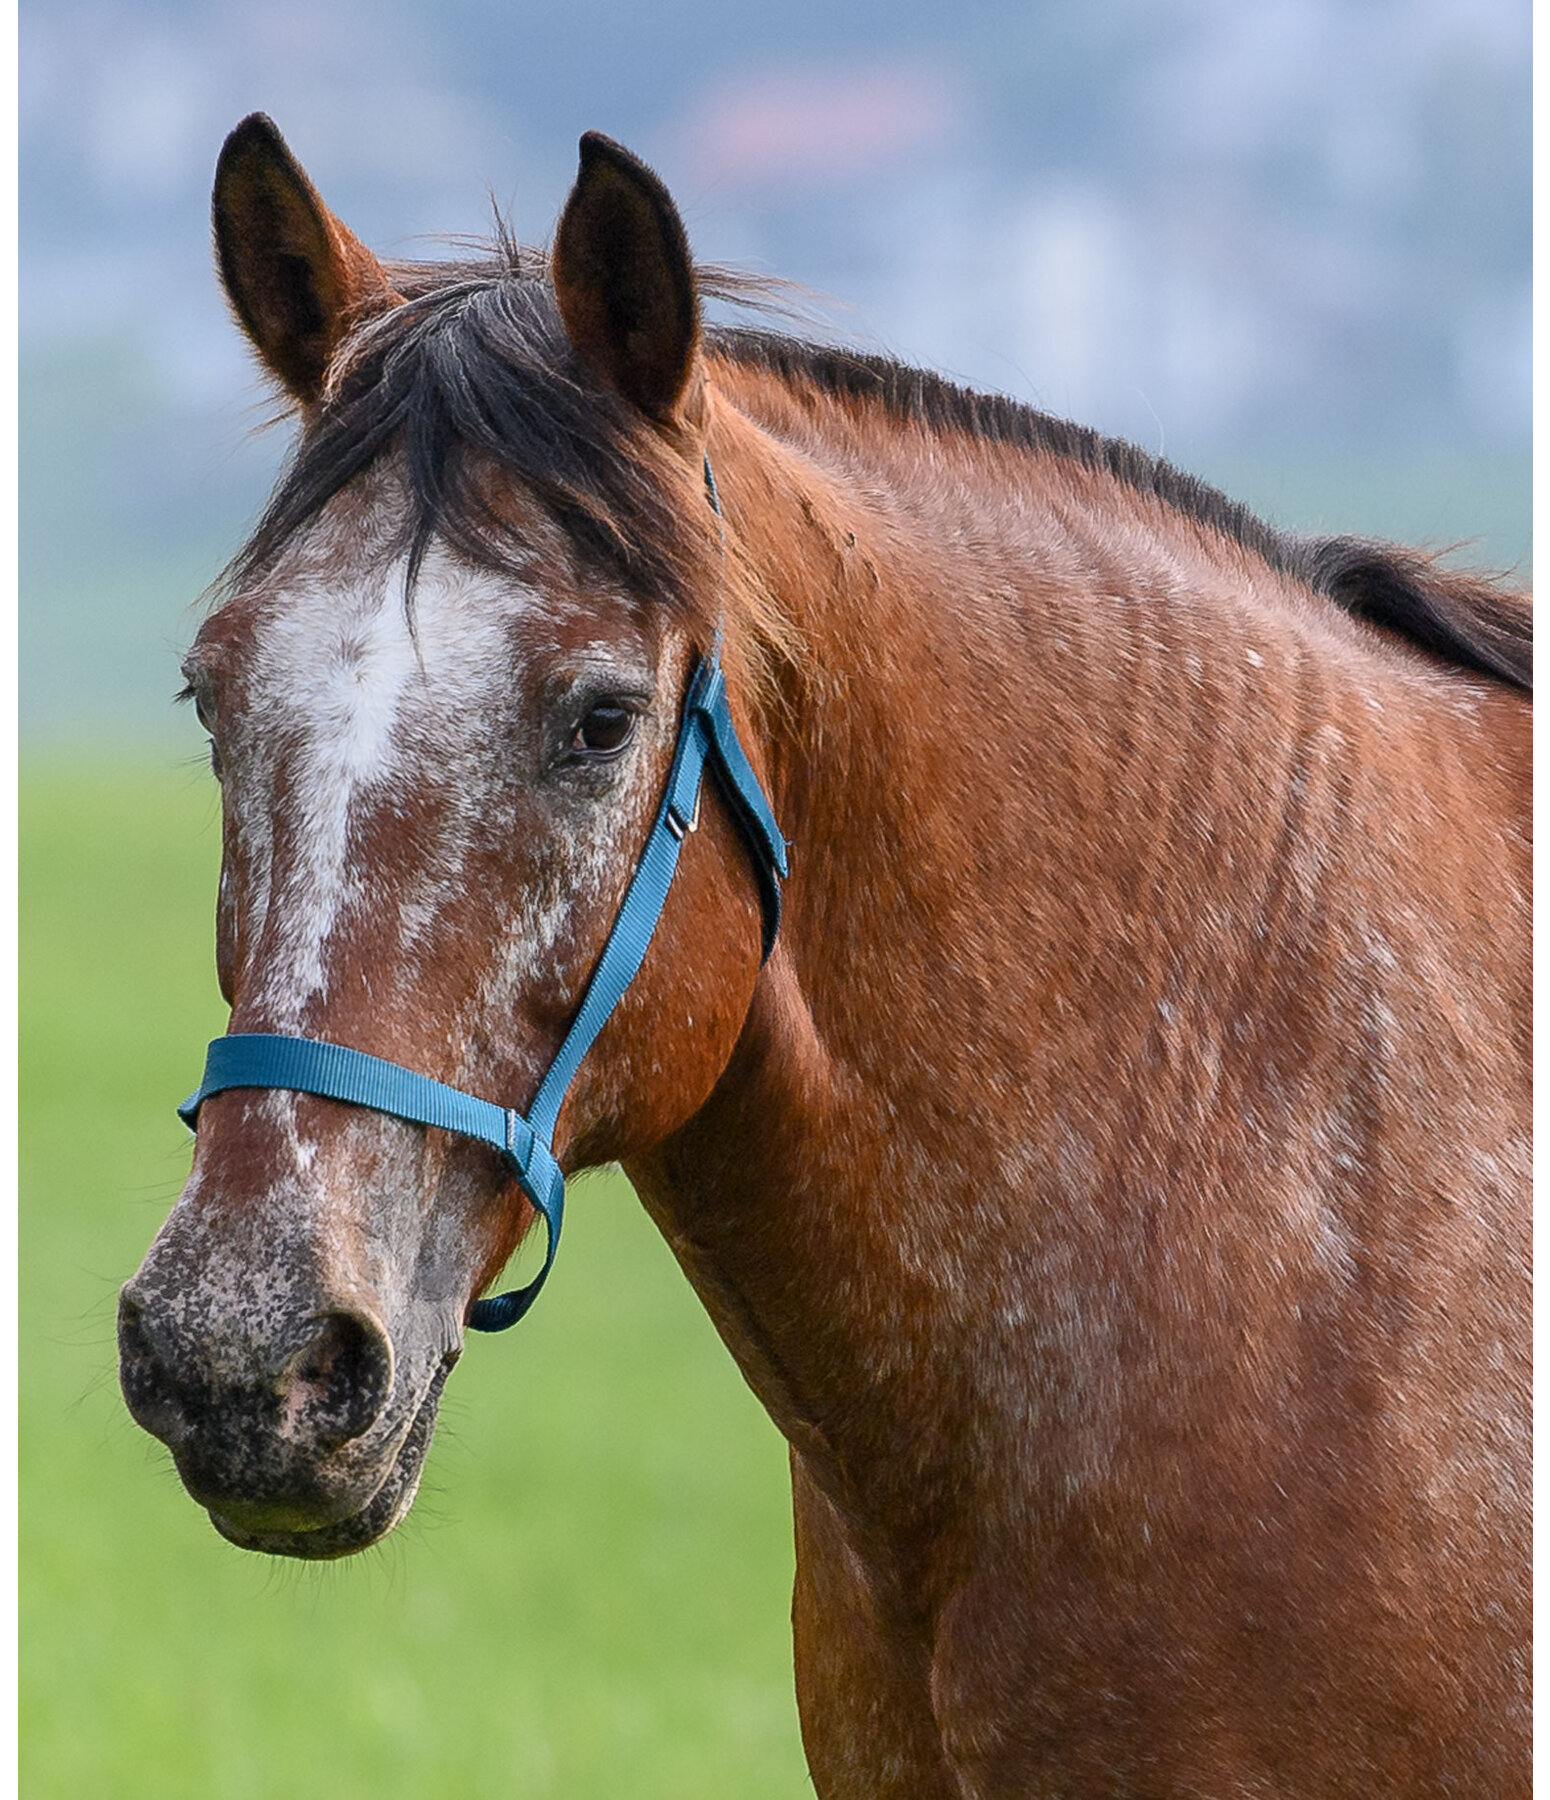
column 625, row 280
column 296, row 276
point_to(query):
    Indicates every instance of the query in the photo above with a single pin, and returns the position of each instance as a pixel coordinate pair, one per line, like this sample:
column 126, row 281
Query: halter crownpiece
column 706, row 737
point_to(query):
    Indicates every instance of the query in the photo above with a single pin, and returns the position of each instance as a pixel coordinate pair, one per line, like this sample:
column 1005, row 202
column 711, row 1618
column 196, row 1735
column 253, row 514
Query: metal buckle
column 678, row 825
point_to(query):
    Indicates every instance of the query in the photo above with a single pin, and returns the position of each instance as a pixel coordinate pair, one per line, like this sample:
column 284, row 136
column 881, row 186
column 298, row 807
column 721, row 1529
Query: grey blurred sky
column 1282, row 238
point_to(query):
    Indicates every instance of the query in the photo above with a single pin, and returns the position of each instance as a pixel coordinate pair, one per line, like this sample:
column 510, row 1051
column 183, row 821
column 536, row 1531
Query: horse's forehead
column 351, row 697
column 349, row 627
column 353, row 648
column 336, row 640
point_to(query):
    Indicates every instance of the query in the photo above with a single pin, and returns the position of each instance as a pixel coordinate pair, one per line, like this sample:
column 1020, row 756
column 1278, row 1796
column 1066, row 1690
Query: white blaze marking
column 354, row 700
column 368, row 705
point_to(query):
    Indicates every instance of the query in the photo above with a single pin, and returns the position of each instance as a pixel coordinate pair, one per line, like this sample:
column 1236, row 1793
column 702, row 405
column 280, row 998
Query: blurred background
column 1283, row 242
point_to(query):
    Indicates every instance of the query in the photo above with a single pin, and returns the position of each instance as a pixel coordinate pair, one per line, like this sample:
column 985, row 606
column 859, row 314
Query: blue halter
column 305, row 1065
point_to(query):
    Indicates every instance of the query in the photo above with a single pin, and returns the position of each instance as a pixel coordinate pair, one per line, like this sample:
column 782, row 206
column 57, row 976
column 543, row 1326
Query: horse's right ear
column 297, row 278
column 625, row 281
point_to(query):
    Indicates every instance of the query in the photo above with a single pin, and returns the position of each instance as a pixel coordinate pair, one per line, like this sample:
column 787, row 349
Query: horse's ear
column 297, row 278
column 625, row 280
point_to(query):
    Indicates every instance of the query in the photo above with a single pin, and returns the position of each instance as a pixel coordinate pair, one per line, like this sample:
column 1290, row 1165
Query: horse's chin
column 385, row 1509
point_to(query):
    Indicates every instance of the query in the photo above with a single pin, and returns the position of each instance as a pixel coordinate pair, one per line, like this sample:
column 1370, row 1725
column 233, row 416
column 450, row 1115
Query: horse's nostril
column 149, row 1389
column 338, row 1385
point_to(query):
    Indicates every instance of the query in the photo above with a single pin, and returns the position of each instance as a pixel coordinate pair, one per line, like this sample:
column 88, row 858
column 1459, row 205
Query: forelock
column 472, row 388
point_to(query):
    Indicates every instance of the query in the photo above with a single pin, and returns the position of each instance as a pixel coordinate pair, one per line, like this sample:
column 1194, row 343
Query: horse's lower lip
column 385, row 1509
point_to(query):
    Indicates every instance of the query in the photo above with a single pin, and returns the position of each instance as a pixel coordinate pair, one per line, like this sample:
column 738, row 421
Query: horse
column 1102, row 1141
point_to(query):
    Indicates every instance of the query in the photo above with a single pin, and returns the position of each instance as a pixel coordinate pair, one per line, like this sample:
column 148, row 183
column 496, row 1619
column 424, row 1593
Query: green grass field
column 591, row 1596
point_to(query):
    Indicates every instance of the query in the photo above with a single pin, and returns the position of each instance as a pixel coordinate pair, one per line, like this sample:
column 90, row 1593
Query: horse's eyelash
column 184, row 693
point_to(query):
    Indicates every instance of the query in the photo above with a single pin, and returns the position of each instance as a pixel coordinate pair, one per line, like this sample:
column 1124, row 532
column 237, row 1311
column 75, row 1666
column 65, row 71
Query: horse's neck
column 1041, row 718
column 1027, row 776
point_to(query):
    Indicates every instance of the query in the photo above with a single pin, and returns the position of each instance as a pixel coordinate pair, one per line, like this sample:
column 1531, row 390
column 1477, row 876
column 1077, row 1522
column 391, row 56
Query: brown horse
column 1115, row 1183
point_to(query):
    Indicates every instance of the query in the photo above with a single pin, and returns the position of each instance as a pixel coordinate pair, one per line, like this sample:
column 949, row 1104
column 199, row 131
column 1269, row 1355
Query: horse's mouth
column 381, row 1513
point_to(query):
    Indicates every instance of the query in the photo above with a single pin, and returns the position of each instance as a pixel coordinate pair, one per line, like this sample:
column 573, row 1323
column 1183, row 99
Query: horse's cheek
column 670, row 1040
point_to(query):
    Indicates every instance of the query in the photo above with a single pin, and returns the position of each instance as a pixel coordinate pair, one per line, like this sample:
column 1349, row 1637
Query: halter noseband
column 706, row 736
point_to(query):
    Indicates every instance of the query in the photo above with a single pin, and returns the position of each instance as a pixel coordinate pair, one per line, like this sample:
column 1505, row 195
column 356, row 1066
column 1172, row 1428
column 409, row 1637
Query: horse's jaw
column 368, row 1524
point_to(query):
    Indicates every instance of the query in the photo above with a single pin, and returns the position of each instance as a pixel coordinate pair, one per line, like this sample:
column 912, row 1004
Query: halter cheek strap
column 706, row 737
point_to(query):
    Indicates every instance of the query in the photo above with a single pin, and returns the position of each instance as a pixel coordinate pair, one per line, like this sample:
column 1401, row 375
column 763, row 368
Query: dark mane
column 942, row 405
column 476, row 369
column 1463, row 618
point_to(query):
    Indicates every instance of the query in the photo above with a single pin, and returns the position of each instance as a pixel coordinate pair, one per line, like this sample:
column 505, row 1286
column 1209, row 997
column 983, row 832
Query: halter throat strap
column 707, row 738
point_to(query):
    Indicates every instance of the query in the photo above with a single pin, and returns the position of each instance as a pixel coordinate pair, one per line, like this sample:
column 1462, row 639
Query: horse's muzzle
column 281, row 1446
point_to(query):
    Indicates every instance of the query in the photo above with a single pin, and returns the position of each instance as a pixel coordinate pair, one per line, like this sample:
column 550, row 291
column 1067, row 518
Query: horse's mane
column 1464, row 618
column 476, row 366
column 475, row 371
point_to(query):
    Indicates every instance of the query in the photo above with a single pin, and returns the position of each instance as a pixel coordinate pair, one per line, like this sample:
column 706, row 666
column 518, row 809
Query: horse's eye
column 604, row 731
column 204, row 711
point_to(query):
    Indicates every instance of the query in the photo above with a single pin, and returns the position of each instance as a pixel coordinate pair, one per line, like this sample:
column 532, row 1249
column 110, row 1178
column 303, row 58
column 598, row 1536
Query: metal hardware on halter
column 707, row 739
column 678, row 825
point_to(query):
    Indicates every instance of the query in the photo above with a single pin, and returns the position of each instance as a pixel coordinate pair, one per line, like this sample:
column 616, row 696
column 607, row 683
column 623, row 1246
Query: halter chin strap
column 706, row 736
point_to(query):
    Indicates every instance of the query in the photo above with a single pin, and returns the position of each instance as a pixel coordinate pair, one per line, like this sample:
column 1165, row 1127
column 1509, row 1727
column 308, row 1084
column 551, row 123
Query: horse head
column 443, row 691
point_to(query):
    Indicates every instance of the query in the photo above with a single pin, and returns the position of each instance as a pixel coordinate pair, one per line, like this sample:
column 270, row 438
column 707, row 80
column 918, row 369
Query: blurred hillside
column 1286, row 242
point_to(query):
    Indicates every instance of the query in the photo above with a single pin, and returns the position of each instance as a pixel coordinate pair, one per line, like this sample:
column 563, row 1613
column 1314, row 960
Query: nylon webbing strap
column 334, row 1072
column 750, row 808
column 305, row 1065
